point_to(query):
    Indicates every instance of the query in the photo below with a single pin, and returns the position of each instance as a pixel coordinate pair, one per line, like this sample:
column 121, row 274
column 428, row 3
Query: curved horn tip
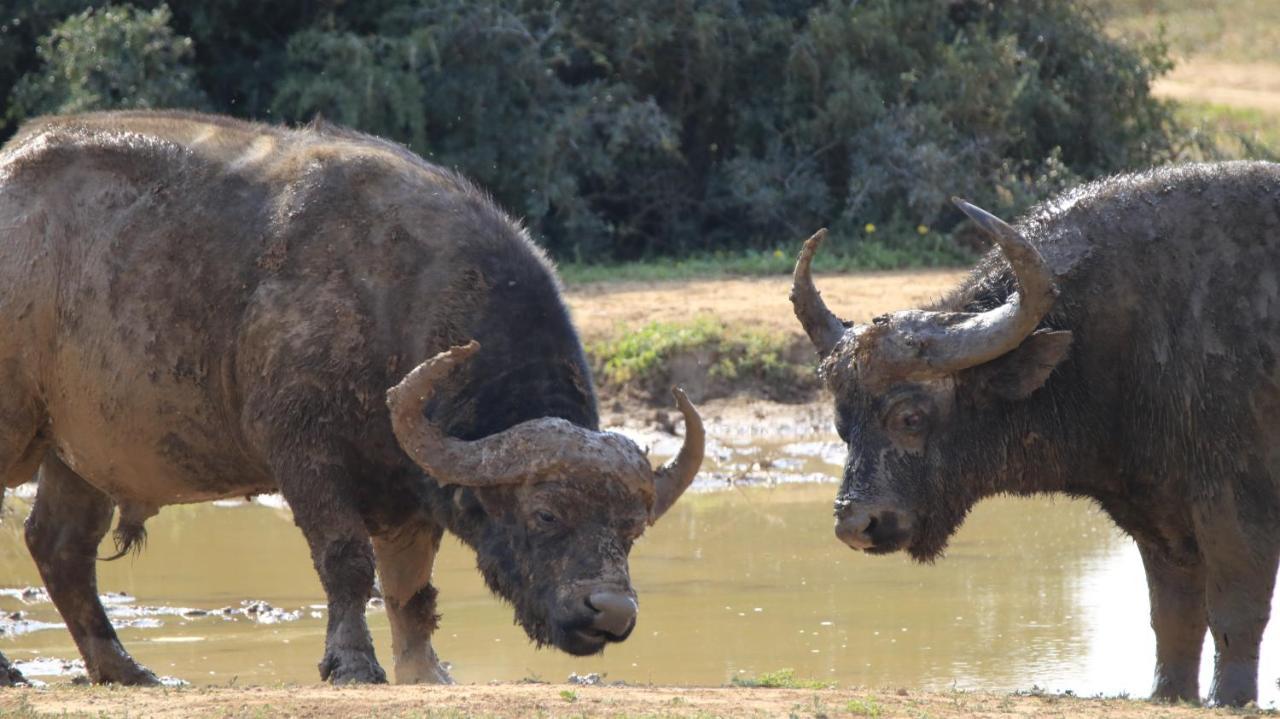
column 430, row 371
column 987, row 221
column 692, row 419
column 816, row 238
column 681, row 398
column 464, row 351
column 451, row 357
column 812, row 244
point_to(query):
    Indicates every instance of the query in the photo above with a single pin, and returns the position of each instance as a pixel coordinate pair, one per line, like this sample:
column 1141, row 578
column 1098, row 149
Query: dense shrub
column 114, row 57
column 628, row 128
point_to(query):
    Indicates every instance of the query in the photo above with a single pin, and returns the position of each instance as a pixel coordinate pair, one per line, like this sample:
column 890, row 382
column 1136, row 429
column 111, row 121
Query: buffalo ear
column 1016, row 374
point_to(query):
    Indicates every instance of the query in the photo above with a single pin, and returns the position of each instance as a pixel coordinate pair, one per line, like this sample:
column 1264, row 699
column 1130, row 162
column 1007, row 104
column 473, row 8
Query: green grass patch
column 1237, row 132
column 781, row 679
column 863, row 707
column 875, row 250
column 702, row 352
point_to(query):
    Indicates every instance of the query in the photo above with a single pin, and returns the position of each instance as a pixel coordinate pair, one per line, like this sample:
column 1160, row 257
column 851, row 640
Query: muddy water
column 735, row 582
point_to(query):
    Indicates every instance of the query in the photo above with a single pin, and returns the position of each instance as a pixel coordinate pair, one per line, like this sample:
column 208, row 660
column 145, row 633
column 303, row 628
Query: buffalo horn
column 673, row 478
column 536, row 450
column 954, row 342
column 822, row 326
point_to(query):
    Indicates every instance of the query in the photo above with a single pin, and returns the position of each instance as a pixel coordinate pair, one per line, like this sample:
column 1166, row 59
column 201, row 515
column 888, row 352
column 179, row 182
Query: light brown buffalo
column 193, row 307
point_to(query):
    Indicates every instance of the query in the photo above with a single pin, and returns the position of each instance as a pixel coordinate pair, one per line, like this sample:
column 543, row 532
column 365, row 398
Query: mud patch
column 124, row 613
column 52, row 668
column 749, row 442
column 13, row 624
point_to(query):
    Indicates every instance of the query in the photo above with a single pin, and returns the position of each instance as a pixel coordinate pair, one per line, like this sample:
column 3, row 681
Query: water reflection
column 1032, row 592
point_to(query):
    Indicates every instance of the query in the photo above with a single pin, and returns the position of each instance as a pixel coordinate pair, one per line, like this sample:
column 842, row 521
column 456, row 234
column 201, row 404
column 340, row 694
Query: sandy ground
column 1250, row 85
column 522, row 700
column 599, row 308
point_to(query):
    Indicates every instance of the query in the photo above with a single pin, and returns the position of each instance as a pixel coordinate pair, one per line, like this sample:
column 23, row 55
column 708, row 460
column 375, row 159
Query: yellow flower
column 870, row 229
column 777, row 253
column 922, row 229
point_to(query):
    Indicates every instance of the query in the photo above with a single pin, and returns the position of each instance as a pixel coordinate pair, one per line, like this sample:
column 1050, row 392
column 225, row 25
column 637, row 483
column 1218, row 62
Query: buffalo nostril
column 874, row 528
column 615, row 613
column 853, row 530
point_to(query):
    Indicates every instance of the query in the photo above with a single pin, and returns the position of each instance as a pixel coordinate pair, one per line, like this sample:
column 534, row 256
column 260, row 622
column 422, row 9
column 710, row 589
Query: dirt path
column 599, row 308
column 551, row 701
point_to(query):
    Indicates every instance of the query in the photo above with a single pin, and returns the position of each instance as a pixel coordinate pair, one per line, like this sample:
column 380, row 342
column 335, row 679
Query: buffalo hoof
column 433, row 673
column 1235, row 685
column 422, row 667
column 129, row 674
column 441, row 676
column 351, row 668
column 1176, row 685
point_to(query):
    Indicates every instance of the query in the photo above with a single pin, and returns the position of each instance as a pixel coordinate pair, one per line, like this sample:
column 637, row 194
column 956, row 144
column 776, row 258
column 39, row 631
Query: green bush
column 115, row 57
column 642, row 128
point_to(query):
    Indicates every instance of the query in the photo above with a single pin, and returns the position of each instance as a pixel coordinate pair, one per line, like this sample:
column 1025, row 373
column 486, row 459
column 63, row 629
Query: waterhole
column 740, row 579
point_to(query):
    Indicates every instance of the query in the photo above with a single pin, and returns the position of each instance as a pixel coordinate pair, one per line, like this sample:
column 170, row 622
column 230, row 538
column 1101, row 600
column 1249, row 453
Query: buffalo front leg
column 1240, row 566
column 69, row 519
column 317, row 491
column 404, row 559
column 1179, row 620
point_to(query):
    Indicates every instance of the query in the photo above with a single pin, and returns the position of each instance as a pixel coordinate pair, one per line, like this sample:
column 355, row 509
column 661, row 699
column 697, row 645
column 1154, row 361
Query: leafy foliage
column 115, row 57
column 625, row 129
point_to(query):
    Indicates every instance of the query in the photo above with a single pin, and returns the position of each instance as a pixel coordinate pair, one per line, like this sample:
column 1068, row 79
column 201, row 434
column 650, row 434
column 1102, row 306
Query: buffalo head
column 913, row 390
column 562, row 506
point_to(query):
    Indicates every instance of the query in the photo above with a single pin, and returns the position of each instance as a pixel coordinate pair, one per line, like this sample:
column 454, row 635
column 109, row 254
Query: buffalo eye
column 545, row 517
column 911, row 421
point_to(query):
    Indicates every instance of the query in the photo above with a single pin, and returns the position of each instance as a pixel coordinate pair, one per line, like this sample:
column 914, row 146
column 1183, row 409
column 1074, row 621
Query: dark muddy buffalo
column 1120, row 345
column 194, row 307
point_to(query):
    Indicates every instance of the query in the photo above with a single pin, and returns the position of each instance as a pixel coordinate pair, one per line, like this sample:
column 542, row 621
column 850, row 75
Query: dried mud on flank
column 559, row 700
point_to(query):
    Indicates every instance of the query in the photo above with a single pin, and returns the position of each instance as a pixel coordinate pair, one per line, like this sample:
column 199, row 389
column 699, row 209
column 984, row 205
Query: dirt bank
column 559, row 700
column 724, row 337
column 760, row 302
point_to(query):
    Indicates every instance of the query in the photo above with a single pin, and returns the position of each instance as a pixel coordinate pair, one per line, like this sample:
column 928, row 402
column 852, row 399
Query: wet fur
column 1165, row 409
column 215, row 308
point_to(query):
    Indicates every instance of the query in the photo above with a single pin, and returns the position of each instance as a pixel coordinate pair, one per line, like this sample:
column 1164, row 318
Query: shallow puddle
column 732, row 583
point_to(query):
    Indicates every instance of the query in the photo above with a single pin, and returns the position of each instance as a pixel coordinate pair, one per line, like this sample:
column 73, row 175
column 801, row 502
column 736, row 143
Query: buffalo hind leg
column 68, row 521
column 1240, row 566
column 404, row 559
column 1179, row 620
column 314, row 483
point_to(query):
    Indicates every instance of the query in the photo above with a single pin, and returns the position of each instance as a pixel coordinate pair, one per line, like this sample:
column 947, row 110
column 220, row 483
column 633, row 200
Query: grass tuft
column 1235, row 132
column 646, row 359
column 780, row 679
column 863, row 707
